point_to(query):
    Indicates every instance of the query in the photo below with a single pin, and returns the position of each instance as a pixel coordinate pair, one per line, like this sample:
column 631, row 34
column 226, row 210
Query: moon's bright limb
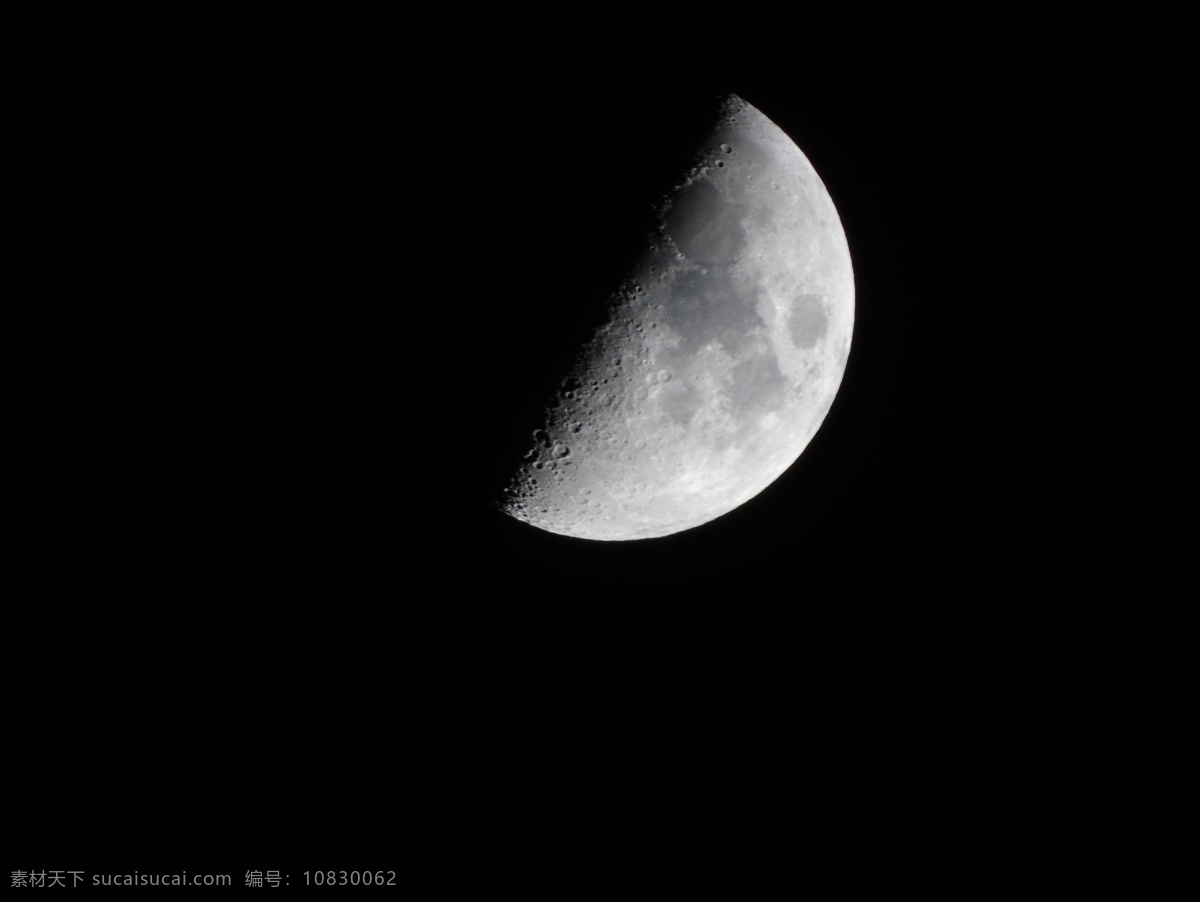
column 722, row 357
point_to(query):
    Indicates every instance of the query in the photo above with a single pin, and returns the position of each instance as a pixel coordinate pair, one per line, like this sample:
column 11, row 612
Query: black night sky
column 296, row 291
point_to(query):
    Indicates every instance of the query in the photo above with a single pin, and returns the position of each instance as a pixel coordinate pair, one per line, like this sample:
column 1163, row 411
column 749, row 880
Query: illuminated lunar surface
column 725, row 348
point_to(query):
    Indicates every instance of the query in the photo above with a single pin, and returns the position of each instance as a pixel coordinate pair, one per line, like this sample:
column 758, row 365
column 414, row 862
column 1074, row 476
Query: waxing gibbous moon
column 722, row 356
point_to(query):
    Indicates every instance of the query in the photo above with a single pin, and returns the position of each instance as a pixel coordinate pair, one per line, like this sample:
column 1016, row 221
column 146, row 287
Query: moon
column 721, row 356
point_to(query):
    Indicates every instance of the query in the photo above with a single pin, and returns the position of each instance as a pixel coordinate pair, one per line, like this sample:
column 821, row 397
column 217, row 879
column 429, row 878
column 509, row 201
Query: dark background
column 289, row 295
